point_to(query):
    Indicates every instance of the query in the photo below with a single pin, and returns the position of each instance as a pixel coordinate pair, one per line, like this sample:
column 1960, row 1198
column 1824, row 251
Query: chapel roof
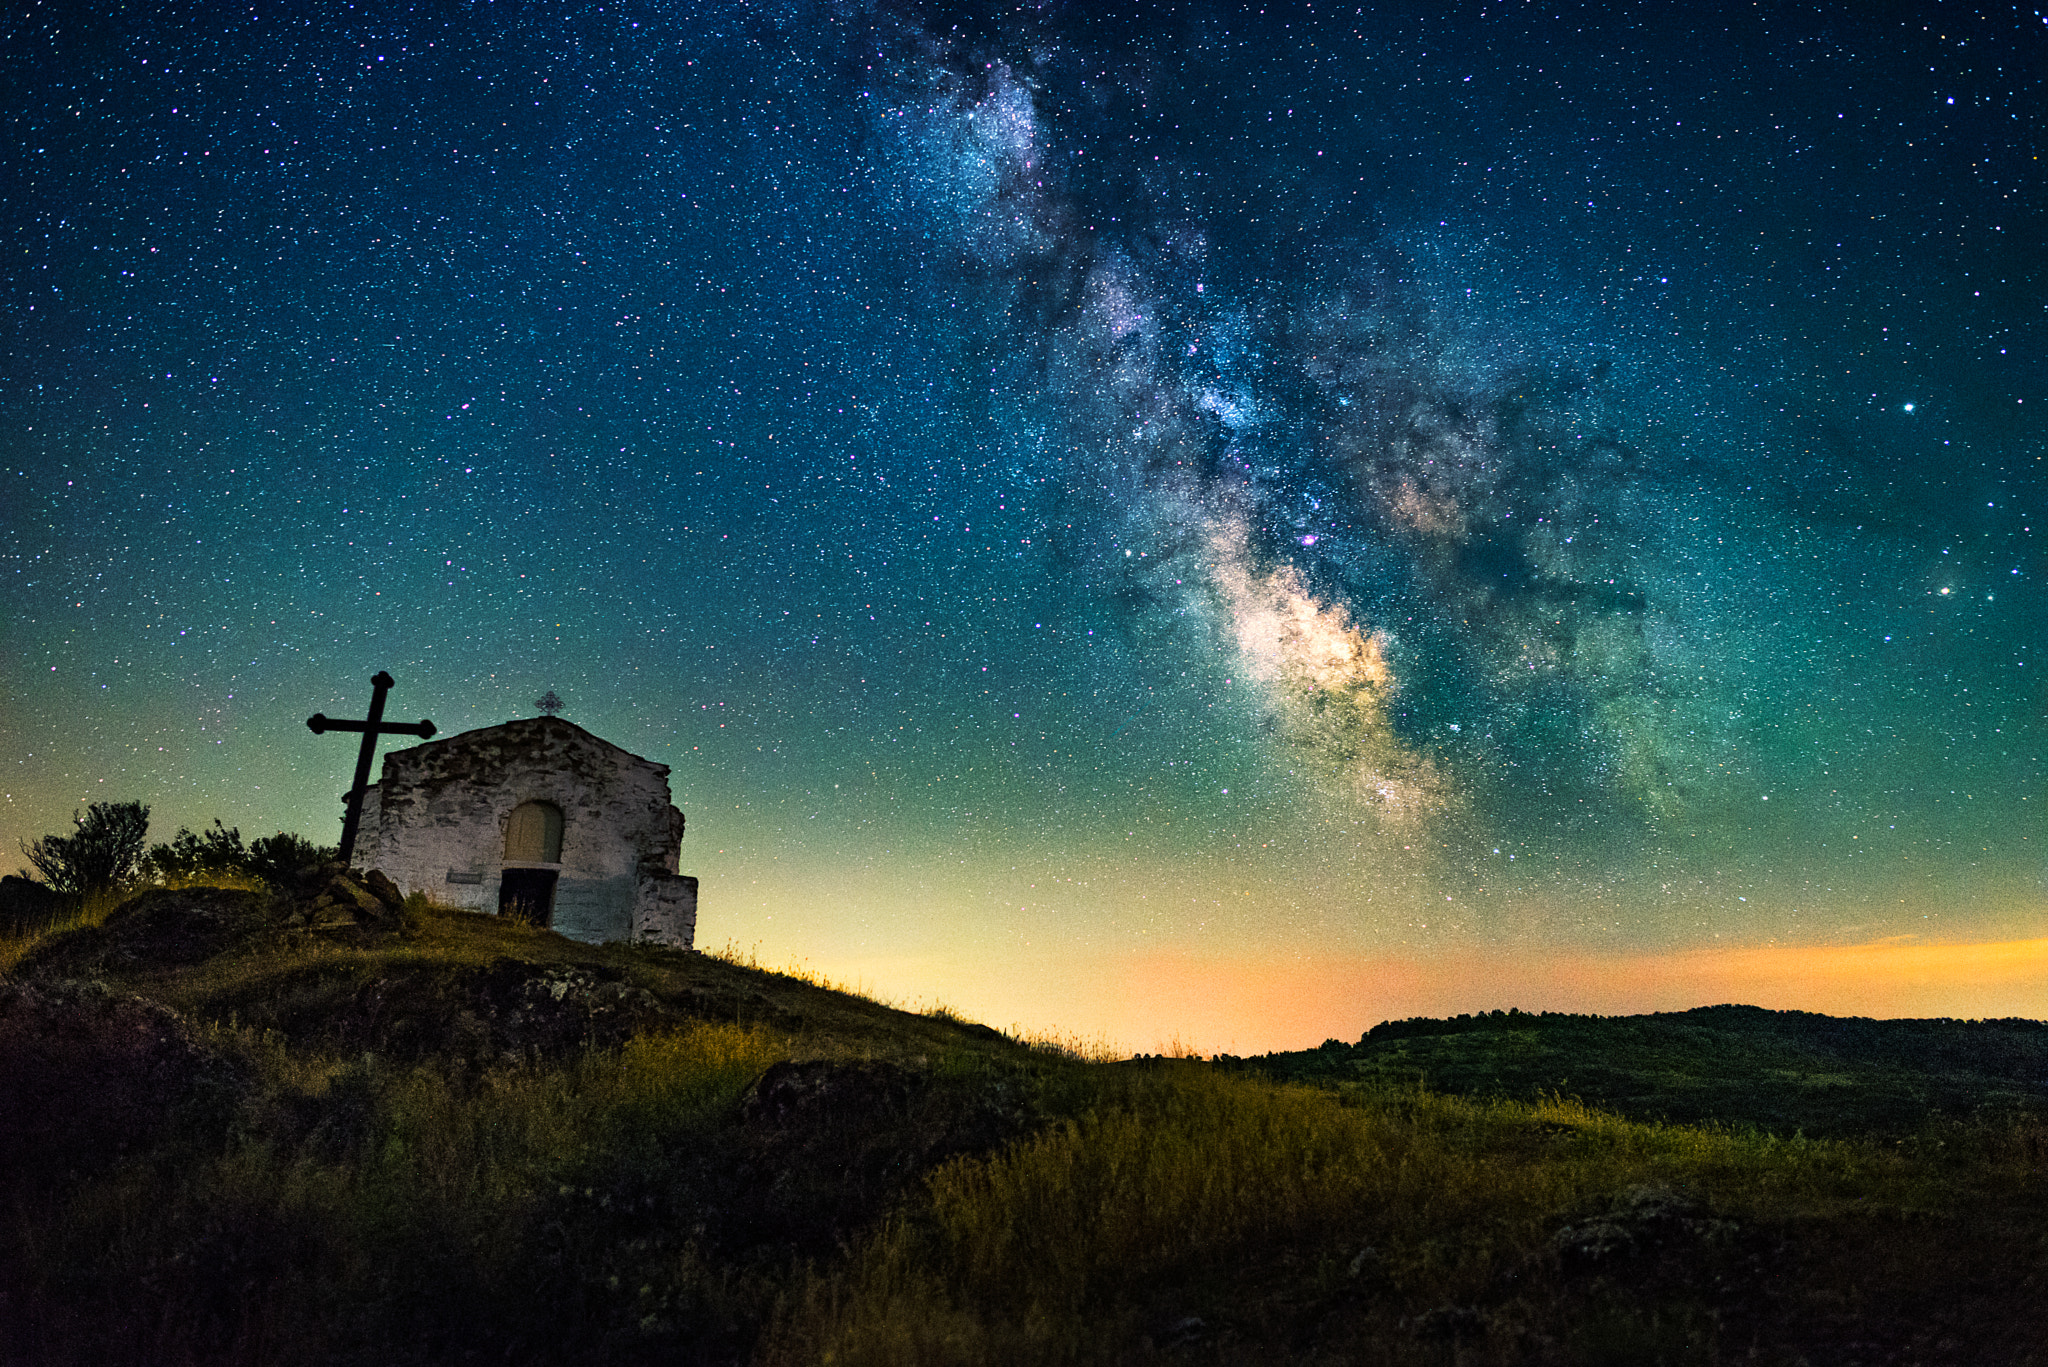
column 522, row 733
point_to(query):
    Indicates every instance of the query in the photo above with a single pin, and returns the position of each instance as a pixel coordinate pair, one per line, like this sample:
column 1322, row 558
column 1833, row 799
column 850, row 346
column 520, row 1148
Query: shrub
column 105, row 852
column 189, row 856
column 199, row 856
column 275, row 858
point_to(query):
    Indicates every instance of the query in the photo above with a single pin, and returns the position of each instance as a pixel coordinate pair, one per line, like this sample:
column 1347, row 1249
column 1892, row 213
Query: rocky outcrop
column 87, row 1074
column 162, row 928
column 157, row 929
column 475, row 1016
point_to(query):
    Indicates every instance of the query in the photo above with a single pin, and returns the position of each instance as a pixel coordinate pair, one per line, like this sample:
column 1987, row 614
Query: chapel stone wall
column 436, row 823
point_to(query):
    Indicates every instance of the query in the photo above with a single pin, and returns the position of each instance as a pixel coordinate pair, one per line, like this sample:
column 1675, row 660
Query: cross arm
column 320, row 722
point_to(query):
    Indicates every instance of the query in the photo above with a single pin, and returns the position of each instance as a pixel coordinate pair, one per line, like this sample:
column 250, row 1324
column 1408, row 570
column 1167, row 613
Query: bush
column 105, row 852
column 275, row 858
column 193, row 857
column 190, row 856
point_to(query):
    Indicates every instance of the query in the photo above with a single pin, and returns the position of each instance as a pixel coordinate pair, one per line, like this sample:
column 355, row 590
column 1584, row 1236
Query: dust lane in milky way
column 1069, row 494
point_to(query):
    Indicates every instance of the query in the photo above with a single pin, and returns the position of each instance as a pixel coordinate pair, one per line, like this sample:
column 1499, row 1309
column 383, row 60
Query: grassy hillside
column 321, row 1125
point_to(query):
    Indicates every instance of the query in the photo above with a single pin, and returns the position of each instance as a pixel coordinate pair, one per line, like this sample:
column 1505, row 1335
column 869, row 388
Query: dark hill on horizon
column 1784, row 1072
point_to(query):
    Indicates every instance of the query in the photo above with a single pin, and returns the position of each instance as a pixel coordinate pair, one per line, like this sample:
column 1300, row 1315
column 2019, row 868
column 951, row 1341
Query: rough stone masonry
column 537, row 818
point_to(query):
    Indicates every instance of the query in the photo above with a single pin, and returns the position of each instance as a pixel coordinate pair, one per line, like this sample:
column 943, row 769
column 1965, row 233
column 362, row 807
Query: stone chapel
column 539, row 818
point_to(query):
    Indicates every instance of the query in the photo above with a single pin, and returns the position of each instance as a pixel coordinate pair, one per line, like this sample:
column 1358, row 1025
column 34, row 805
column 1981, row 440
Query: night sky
column 1141, row 520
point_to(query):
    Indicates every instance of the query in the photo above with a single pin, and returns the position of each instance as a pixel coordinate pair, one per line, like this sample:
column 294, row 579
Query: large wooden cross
column 372, row 727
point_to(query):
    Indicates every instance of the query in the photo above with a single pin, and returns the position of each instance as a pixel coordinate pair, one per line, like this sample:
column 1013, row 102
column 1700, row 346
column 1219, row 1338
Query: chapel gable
column 540, row 819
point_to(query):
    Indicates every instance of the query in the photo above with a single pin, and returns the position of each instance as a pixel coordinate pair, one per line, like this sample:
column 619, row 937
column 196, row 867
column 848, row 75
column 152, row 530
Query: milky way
column 1365, row 477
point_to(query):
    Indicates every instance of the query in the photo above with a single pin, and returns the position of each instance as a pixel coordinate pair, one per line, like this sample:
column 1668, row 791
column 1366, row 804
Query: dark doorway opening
column 528, row 894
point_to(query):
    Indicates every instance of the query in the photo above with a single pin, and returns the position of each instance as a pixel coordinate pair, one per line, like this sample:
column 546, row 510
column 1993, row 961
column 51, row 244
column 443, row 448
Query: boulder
column 384, row 890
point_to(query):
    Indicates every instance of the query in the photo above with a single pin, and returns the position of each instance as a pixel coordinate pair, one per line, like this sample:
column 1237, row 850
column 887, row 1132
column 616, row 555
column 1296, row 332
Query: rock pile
column 333, row 896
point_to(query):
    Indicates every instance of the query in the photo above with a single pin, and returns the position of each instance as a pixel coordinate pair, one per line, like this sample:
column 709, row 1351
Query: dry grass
column 799, row 971
column 93, row 910
column 1069, row 1046
column 415, row 1204
column 1051, row 1251
column 522, row 1130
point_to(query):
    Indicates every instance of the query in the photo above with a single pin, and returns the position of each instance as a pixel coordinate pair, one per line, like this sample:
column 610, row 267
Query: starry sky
column 1151, row 521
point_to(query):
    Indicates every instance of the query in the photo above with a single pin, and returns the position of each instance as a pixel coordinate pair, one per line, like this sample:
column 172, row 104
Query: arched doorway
column 533, row 837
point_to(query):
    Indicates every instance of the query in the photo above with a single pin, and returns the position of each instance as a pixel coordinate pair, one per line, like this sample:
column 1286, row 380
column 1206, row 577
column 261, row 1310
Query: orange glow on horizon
column 1251, row 1003
column 1248, row 1004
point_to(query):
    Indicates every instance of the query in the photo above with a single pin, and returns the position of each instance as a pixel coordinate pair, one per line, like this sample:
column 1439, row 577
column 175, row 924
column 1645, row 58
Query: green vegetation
column 1787, row 1072
column 101, row 853
column 208, row 855
column 312, row 1123
column 87, row 874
